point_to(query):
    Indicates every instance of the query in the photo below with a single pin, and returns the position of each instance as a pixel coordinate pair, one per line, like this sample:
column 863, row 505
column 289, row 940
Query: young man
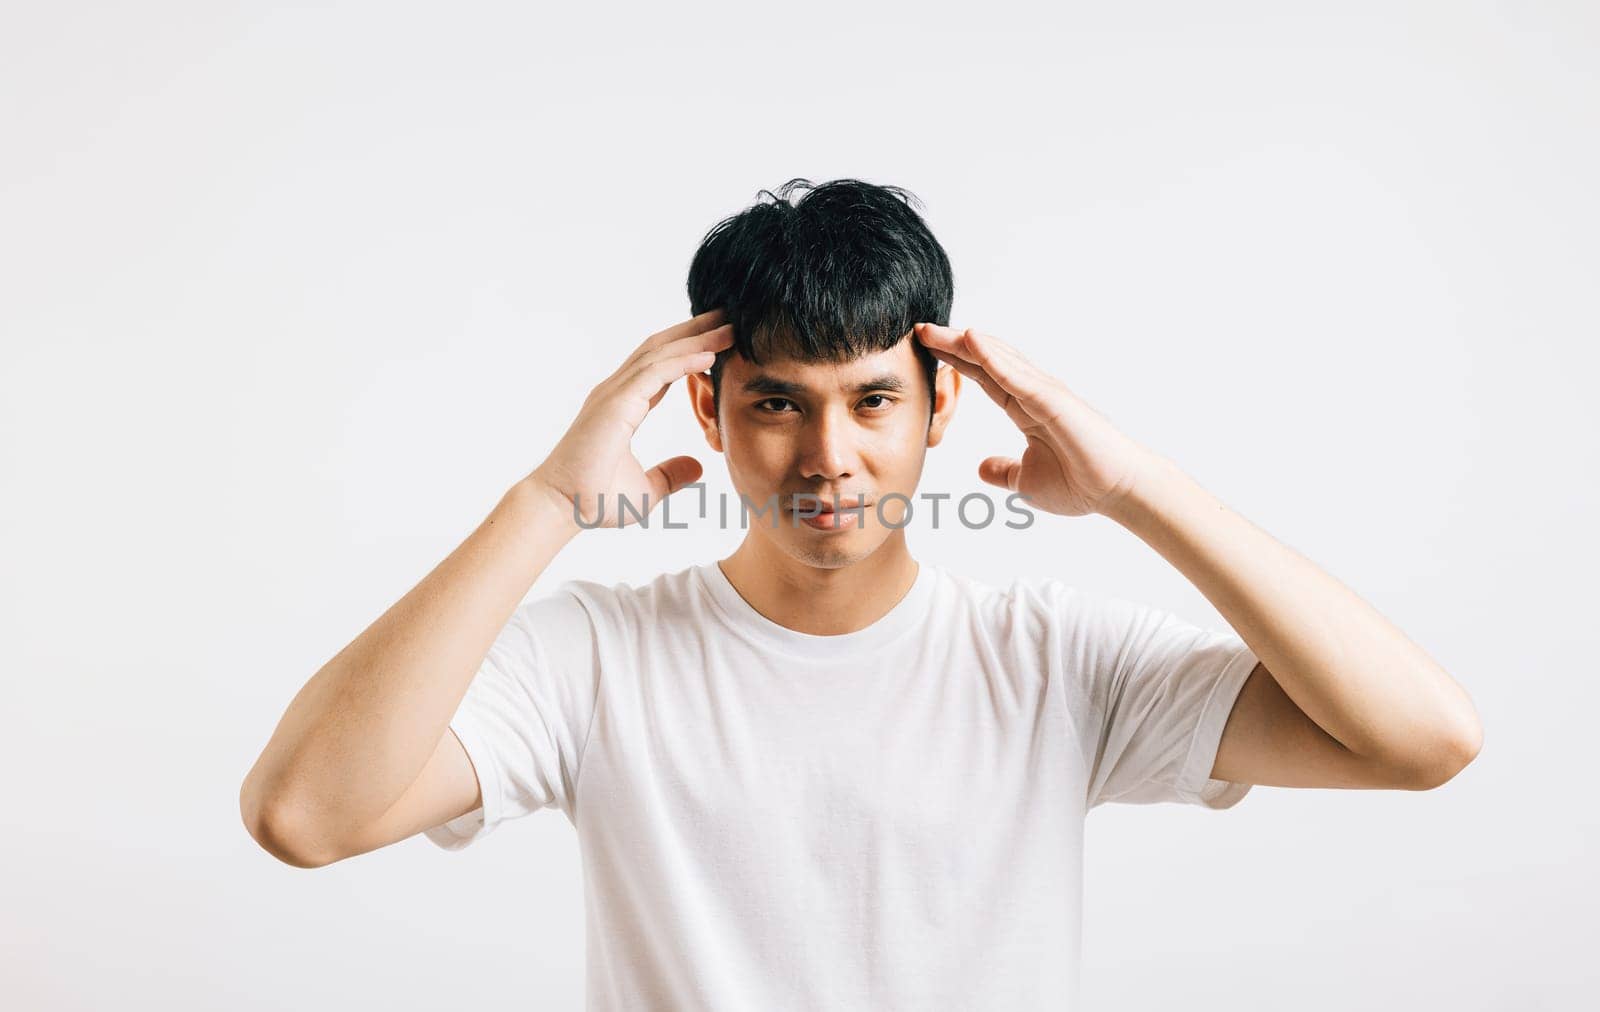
column 818, row 773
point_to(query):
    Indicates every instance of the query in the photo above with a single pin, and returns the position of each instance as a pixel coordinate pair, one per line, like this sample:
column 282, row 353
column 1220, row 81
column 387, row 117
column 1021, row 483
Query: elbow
column 282, row 830
column 1450, row 752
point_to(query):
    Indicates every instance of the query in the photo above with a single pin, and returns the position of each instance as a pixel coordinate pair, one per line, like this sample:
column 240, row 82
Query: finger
column 629, row 372
column 708, row 320
column 937, row 335
column 1002, row 471
column 712, row 346
column 653, row 378
column 715, row 339
column 1008, row 367
column 995, row 355
column 961, row 350
column 972, row 371
column 997, row 393
column 1022, row 385
column 670, row 475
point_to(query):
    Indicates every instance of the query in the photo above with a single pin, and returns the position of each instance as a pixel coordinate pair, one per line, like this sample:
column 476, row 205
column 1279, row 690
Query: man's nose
column 828, row 448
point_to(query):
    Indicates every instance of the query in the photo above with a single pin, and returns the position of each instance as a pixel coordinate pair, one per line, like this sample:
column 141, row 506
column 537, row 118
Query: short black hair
column 841, row 272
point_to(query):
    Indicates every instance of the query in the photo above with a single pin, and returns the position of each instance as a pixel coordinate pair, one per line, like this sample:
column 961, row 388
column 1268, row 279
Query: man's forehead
column 890, row 369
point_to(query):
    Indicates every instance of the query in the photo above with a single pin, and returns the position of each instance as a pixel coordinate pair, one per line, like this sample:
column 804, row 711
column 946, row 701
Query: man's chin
column 831, row 552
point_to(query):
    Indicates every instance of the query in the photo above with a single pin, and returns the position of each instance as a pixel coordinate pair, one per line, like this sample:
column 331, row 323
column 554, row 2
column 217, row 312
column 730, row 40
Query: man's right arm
column 363, row 756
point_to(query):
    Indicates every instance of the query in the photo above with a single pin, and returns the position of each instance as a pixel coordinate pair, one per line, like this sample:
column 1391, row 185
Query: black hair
column 842, row 272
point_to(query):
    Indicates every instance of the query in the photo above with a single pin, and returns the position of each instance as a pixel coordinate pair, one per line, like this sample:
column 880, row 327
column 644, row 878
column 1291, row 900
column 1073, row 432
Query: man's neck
column 821, row 601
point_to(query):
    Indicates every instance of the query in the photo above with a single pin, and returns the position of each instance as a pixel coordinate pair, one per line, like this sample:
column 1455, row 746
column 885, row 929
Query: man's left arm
column 1339, row 698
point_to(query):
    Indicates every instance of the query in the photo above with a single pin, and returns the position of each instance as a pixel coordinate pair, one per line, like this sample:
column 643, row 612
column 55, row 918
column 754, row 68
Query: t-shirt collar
column 910, row 612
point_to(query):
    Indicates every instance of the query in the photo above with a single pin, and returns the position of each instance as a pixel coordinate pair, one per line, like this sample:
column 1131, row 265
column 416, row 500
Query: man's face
column 795, row 434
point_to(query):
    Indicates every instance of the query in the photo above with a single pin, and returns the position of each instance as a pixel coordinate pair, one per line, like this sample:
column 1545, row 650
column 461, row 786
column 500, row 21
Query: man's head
column 825, row 391
column 845, row 269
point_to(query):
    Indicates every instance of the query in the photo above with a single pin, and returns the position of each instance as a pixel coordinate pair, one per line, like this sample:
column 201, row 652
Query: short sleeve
column 1150, row 696
column 526, row 715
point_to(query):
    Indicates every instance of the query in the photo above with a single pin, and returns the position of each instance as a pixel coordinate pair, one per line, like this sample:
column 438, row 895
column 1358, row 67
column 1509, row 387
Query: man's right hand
column 363, row 756
column 594, row 456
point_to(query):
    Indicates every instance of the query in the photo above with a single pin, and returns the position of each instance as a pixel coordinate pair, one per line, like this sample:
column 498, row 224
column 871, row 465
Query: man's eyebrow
column 772, row 386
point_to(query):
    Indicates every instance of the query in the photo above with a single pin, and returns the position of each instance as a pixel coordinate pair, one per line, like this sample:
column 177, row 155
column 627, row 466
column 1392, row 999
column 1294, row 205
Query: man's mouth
column 816, row 504
column 820, row 514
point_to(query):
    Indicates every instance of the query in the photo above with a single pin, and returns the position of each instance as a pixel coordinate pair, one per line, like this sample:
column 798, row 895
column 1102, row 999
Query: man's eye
column 773, row 400
column 886, row 401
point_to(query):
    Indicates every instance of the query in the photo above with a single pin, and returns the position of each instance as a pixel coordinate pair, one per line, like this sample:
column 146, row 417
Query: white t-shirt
column 886, row 819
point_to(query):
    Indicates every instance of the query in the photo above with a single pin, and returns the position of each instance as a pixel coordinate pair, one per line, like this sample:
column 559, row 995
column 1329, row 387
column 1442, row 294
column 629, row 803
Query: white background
column 289, row 297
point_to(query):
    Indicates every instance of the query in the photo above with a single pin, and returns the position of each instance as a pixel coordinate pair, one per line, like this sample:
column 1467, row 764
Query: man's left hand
column 1076, row 462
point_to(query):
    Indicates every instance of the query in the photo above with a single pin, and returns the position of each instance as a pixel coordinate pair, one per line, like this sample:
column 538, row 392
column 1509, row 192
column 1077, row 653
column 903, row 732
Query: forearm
column 360, row 731
column 1352, row 671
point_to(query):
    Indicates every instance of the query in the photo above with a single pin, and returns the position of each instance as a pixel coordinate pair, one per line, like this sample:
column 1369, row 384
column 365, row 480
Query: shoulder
column 1036, row 605
column 1015, row 593
column 1052, row 610
column 620, row 602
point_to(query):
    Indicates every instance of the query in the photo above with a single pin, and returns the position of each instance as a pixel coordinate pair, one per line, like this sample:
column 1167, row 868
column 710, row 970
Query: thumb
column 670, row 475
column 1002, row 471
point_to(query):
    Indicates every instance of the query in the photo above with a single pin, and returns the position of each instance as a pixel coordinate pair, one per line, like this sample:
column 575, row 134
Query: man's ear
column 702, row 400
column 946, row 388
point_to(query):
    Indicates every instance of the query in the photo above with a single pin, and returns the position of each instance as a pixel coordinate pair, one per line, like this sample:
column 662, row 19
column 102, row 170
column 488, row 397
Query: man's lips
column 821, row 505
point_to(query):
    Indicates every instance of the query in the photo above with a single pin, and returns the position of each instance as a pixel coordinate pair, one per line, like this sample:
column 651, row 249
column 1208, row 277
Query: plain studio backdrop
column 290, row 297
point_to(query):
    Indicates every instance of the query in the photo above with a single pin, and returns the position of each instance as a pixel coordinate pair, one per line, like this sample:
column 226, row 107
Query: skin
column 363, row 756
column 1340, row 696
column 859, row 430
